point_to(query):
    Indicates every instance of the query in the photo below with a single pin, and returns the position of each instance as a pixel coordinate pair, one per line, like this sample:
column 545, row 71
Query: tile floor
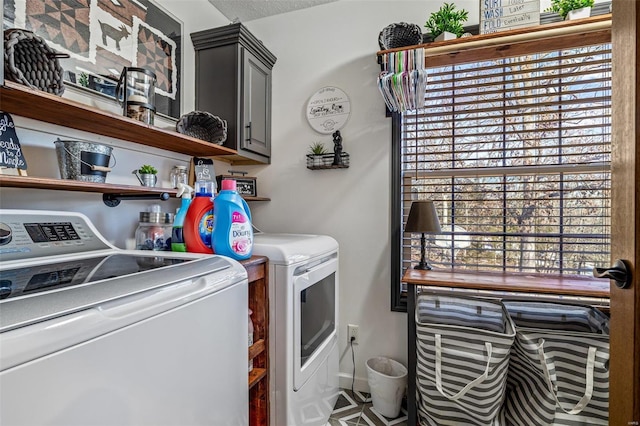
column 352, row 410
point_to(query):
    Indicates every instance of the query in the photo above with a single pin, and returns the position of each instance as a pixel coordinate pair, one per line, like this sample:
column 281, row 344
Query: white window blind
column 515, row 153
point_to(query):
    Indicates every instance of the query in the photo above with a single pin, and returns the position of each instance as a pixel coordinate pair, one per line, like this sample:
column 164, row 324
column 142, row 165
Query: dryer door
column 314, row 317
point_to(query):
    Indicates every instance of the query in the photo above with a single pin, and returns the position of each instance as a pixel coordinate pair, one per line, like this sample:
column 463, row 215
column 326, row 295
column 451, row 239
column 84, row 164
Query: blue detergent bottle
column 177, row 236
column 232, row 232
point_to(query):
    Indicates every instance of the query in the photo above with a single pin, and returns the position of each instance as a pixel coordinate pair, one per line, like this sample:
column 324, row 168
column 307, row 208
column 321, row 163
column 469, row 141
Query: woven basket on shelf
column 30, row 61
column 203, row 125
column 399, row 35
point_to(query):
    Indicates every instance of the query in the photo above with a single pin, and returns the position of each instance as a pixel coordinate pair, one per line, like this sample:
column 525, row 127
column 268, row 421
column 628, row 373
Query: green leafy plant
column 563, row 7
column 317, row 148
column 147, row 170
column 447, row 19
column 84, row 79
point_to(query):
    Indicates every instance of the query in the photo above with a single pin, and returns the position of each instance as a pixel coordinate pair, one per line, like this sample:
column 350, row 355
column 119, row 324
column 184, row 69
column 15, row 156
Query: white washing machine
column 303, row 330
column 91, row 334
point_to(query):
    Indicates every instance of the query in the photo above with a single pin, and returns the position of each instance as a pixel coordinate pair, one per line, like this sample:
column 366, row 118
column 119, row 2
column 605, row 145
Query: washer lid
column 56, row 289
column 74, row 271
column 287, row 249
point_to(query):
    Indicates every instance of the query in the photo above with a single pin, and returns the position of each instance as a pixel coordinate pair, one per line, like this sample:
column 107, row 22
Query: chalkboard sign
column 11, row 156
column 502, row 15
column 202, row 170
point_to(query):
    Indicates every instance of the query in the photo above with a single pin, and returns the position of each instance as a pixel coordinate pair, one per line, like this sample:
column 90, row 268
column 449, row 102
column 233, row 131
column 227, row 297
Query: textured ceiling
column 247, row 10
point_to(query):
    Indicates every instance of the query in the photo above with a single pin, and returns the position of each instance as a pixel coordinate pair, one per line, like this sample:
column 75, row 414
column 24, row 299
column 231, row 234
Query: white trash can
column 387, row 382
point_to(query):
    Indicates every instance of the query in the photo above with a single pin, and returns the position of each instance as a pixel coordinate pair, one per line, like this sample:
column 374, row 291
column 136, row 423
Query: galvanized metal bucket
column 84, row 161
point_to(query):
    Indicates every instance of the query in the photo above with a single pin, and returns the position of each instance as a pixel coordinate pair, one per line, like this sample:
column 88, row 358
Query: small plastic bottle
column 177, row 235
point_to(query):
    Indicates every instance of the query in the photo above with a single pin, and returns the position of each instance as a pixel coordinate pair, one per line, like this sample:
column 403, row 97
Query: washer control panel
column 27, row 235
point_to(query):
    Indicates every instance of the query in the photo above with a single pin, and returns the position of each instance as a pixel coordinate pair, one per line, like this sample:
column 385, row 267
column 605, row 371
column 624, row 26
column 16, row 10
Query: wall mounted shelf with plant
column 327, row 161
column 319, row 158
column 110, row 191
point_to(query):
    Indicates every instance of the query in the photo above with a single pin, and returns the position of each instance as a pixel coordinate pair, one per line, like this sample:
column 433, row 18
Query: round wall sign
column 328, row 110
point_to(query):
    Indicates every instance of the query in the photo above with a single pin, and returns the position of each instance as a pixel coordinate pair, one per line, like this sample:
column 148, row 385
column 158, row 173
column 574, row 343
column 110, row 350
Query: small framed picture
column 245, row 185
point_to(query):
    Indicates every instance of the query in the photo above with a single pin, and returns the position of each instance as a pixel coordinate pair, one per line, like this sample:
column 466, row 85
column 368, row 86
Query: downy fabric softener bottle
column 232, row 233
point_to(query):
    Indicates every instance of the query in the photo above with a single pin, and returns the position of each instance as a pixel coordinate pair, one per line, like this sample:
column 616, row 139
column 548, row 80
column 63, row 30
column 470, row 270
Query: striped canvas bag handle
column 588, row 393
column 464, row 390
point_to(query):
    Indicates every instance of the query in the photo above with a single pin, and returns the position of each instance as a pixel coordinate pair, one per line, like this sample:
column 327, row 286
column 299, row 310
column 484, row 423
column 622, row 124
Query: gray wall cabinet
column 233, row 82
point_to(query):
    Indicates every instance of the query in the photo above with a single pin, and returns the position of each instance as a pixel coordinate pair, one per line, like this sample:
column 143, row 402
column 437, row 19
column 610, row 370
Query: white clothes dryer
column 303, row 309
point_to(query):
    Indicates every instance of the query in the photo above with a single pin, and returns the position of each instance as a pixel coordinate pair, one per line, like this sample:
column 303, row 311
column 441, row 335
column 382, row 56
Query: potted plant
column 83, row 80
column 146, row 174
column 446, row 23
column 571, row 9
column 317, row 151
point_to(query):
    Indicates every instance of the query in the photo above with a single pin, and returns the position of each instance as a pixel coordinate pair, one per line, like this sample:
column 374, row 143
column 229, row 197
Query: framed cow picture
column 104, row 36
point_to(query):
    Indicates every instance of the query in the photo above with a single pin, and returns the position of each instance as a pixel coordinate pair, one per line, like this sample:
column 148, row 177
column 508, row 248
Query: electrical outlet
column 352, row 333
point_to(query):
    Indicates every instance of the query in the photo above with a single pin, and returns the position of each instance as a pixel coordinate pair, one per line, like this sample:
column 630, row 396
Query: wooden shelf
column 238, row 160
column 38, row 105
column 80, row 186
column 256, row 349
column 510, row 282
column 76, row 185
column 256, row 375
column 23, row 101
column 515, row 42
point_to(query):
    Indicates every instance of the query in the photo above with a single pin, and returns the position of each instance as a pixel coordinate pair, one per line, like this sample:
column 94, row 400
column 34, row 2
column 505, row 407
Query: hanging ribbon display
column 403, row 80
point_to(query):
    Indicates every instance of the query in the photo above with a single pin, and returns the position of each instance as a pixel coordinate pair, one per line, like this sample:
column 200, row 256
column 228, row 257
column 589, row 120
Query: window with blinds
column 515, row 153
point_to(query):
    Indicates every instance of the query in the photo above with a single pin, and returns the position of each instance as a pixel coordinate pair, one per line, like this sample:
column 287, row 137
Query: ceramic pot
column 583, row 12
column 446, row 36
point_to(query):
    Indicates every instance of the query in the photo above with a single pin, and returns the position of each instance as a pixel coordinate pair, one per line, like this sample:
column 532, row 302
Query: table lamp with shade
column 423, row 218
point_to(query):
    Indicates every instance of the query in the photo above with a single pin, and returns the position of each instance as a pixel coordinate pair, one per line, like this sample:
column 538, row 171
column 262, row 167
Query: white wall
column 335, row 45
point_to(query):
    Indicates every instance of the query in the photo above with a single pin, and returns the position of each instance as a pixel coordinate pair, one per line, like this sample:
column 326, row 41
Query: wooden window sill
column 577, row 286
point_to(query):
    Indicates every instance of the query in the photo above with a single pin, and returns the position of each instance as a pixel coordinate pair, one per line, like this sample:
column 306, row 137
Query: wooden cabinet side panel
column 258, row 276
column 259, row 307
column 259, row 404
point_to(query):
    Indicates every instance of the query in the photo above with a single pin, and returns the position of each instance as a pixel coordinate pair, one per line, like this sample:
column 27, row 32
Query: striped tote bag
column 559, row 370
column 463, row 346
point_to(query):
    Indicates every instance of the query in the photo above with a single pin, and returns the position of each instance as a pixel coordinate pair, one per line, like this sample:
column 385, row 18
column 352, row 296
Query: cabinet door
column 256, row 106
